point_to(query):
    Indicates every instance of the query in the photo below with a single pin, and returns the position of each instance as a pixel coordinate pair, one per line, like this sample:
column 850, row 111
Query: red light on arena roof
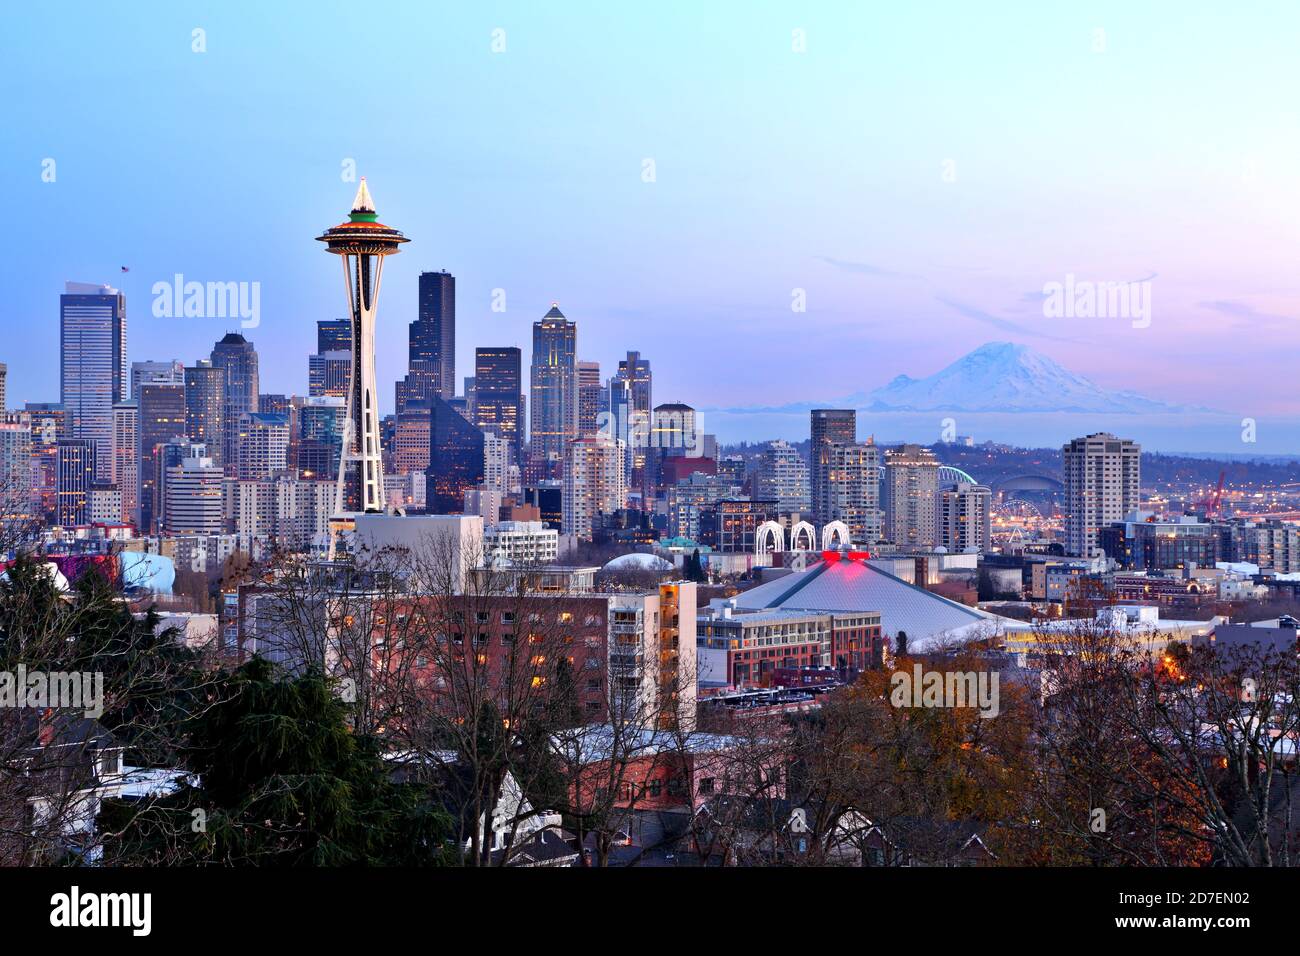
column 831, row 556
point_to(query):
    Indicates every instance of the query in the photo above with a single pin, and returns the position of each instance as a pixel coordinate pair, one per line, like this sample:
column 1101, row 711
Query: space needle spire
column 361, row 243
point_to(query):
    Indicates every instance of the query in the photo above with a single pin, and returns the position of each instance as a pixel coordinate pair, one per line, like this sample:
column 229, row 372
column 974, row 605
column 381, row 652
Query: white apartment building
column 652, row 656
column 521, row 543
column 851, row 490
column 262, row 447
column 782, row 476
column 193, row 502
column 290, row 511
column 911, row 489
column 965, row 518
column 594, row 483
column 1102, row 485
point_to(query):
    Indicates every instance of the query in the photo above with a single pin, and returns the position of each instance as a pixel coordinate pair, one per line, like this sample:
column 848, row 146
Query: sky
column 914, row 174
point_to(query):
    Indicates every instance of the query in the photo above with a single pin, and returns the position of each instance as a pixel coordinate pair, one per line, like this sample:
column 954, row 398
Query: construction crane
column 1211, row 504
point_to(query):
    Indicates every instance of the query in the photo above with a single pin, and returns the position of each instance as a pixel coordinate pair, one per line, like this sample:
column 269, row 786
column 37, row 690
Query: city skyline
column 847, row 437
column 969, row 221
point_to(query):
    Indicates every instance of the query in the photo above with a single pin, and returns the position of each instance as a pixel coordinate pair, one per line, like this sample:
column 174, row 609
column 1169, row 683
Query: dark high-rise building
column 330, row 368
column 333, row 335
column 635, row 370
column 589, row 401
column 237, row 356
column 455, row 459
column 75, row 459
column 548, row 498
column 830, row 426
column 553, row 394
column 205, row 408
column 274, row 403
column 433, row 333
column 162, row 420
column 418, row 387
column 630, row 401
column 498, row 394
column 92, row 364
column 320, row 437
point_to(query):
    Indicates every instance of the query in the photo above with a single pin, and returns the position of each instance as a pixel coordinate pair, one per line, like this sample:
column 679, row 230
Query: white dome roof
column 638, row 562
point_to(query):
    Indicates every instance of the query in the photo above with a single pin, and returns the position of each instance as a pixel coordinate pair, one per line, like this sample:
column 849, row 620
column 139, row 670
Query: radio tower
column 361, row 243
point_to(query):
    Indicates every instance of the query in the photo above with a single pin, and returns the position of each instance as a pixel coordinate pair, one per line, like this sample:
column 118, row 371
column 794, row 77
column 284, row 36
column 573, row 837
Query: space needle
column 361, row 243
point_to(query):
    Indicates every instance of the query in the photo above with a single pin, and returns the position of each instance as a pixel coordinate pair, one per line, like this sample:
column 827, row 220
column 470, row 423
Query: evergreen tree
column 279, row 780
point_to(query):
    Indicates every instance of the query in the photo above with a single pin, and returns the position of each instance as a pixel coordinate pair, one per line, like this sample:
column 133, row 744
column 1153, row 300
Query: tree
column 144, row 681
column 279, row 779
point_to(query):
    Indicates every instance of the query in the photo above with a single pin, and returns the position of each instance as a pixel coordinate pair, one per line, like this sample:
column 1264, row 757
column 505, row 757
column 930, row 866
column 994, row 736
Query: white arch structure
column 803, row 537
column 836, row 536
column 769, row 537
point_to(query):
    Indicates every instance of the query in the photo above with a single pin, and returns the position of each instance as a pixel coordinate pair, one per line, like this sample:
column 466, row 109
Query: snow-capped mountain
column 1004, row 377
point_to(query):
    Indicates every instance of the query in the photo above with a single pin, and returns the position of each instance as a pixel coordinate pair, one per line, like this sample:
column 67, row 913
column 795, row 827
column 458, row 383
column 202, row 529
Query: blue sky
column 921, row 171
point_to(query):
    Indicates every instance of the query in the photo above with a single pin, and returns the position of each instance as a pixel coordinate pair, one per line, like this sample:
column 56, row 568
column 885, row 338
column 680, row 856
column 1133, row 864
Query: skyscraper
column 433, row 334
column 126, row 458
column 205, row 408
column 16, row 505
column 630, row 403
column 782, row 476
column 155, row 373
column 635, row 370
column 328, row 374
column 455, row 459
column 262, row 448
column 553, row 394
column 498, row 395
column 965, row 522
column 193, row 494
column 829, row 426
column 328, row 369
column 910, row 493
column 593, row 483
column 92, row 364
column 412, row 437
column 419, row 385
column 237, row 357
column 1102, row 485
column 49, row 424
column 362, row 243
column 851, row 490
column 320, row 437
column 161, row 420
column 589, row 389
column 333, row 335
column 76, row 474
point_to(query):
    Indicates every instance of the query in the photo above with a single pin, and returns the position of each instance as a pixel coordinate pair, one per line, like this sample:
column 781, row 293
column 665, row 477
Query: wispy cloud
column 1247, row 315
column 1006, row 325
column 863, row 268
